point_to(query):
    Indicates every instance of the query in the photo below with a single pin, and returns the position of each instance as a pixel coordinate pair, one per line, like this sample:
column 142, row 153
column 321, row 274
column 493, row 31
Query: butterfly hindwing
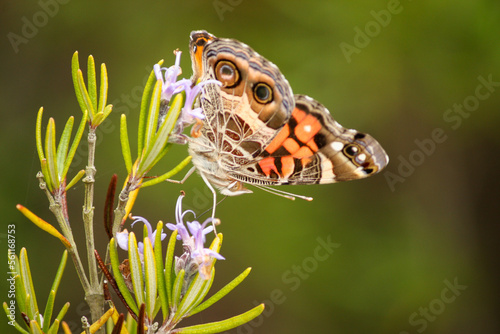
column 313, row 148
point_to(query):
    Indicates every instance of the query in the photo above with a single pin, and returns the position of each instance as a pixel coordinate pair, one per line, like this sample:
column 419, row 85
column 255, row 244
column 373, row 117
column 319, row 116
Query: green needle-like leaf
column 169, row 264
column 154, row 109
column 50, row 151
column 62, row 148
column 20, row 292
column 55, row 325
column 155, row 150
column 162, row 289
column 107, row 110
column 88, row 104
column 35, row 327
column 197, row 290
column 150, row 277
column 159, row 151
column 224, row 325
column 54, row 328
column 91, row 78
column 221, row 293
column 127, row 157
column 110, row 326
column 144, row 107
column 27, row 284
column 135, row 269
column 151, row 126
column 205, row 284
column 177, row 289
column 74, row 145
column 39, row 145
column 161, row 146
column 47, row 315
column 131, row 324
column 168, row 174
column 174, row 111
column 120, row 281
column 63, row 311
column 75, row 179
column 60, row 271
column 28, row 303
column 46, row 174
column 98, row 118
column 157, row 306
column 55, row 285
column 103, row 93
column 216, row 243
column 14, row 322
column 75, row 66
column 160, row 140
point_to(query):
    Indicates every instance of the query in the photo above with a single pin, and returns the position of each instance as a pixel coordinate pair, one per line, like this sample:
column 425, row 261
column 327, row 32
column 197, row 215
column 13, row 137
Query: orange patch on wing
column 267, row 165
column 307, row 128
column 312, row 145
column 199, row 54
column 287, row 166
column 298, row 114
column 291, row 145
column 305, row 162
column 304, row 152
column 198, row 61
column 279, row 139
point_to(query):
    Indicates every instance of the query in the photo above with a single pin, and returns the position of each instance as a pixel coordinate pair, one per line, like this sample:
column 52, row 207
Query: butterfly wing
column 243, row 115
column 313, row 148
column 257, row 132
column 197, row 41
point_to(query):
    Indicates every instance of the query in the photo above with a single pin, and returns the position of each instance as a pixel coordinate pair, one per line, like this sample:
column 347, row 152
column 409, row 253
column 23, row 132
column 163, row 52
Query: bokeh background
column 401, row 238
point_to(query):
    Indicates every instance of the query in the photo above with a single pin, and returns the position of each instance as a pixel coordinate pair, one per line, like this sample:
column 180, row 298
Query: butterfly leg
column 213, row 193
column 214, row 200
column 188, row 174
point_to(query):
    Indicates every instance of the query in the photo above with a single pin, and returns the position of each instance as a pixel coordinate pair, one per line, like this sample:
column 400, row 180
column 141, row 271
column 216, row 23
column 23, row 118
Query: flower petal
column 145, row 222
column 122, row 239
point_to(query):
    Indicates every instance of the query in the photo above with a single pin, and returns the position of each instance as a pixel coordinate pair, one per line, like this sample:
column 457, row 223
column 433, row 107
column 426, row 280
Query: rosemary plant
column 158, row 289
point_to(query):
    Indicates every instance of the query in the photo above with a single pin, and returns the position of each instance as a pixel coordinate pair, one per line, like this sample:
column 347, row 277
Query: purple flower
column 122, row 237
column 189, row 114
column 194, row 243
column 171, row 86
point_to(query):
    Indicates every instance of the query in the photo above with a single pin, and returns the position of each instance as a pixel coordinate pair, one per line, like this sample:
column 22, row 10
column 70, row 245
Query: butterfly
column 257, row 132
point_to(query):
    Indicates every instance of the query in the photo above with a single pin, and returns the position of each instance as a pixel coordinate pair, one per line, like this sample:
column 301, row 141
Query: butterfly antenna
column 281, row 193
column 207, row 210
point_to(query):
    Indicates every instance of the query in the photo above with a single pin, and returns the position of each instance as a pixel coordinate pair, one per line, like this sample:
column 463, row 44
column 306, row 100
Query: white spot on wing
column 307, row 128
column 337, row 146
column 327, row 175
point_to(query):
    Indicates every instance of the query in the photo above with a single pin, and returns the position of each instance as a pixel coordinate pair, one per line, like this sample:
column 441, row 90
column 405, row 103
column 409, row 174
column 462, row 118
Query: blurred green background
column 401, row 237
